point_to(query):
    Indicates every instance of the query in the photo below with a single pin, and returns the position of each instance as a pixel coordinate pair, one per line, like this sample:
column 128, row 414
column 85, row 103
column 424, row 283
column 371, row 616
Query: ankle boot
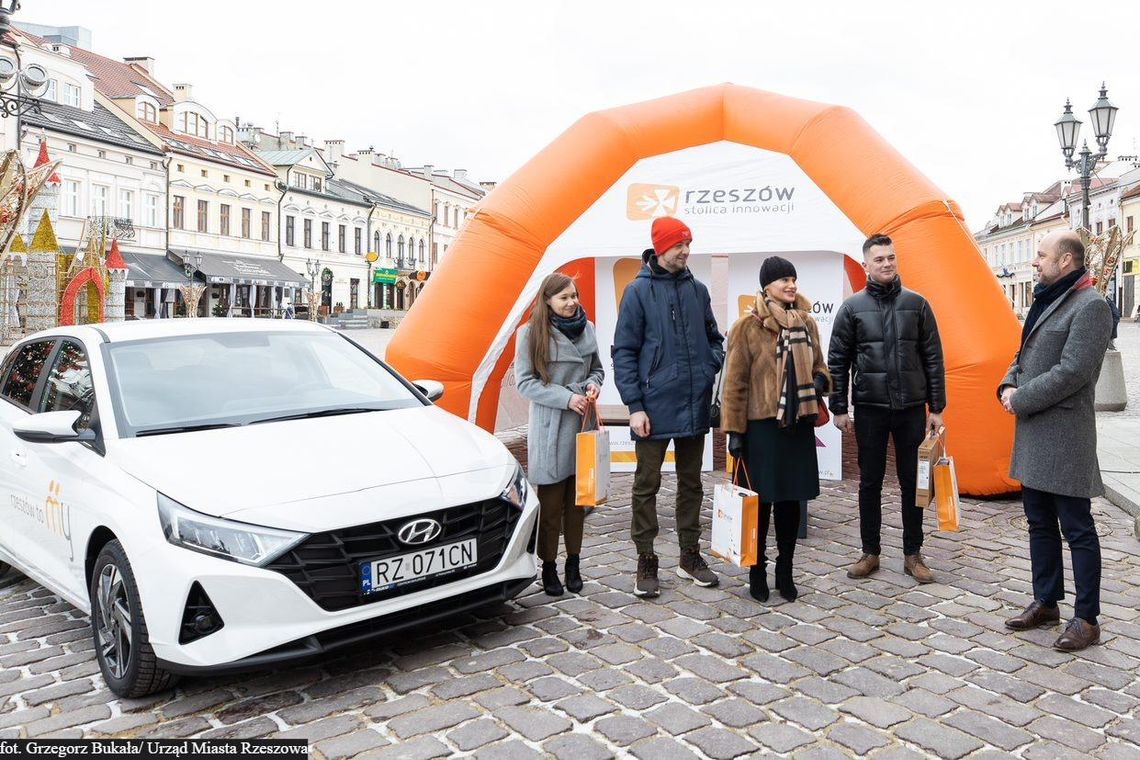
column 784, row 583
column 550, row 583
column 573, row 576
column 758, row 582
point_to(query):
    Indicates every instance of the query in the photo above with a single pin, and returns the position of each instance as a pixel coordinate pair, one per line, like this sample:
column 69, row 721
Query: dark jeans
column 647, row 480
column 559, row 515
column 1044, row 511
column 872, row 427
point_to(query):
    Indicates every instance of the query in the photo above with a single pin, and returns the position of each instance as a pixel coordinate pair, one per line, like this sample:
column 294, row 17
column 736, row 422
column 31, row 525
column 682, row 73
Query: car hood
column 227, row 470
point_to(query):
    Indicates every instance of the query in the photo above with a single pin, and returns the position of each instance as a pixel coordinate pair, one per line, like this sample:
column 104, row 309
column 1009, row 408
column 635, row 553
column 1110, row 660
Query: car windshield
column 197, row 382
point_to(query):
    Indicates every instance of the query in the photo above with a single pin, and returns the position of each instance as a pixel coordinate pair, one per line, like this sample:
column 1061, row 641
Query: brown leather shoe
column 866, row 565
column 1036, row 615
column 914, row 566
column 1078, row 635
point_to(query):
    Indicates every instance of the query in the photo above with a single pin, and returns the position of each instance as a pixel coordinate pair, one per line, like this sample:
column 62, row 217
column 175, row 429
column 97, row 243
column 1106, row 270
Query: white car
column 221, row 495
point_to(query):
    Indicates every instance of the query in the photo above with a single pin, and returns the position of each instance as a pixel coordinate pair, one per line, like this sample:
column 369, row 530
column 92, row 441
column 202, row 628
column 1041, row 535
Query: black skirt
column 781, row 462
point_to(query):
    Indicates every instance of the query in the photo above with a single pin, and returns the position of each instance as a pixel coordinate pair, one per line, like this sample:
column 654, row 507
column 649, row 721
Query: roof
column 227, row 153
column 148, row 329
column 1132, row 193
column 152, row 270
column 447, row 183
column 228, row 267
column 99, row 125
column 115, row 79
column 374, row 197
column 284, row 157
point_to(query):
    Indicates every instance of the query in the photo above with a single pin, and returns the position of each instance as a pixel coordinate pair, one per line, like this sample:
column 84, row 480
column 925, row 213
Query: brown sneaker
column 866, row 565
column 1036, row 615
column 914, row 566
column 646, row 584
column 694, row 567
column 1078, row 635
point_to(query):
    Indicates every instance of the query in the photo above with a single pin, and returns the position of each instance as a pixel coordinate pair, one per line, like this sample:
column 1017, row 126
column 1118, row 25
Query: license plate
column 383, row 574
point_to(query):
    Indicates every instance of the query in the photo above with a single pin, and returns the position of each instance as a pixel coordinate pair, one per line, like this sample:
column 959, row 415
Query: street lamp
column 312, row 267
column 1103, row 116
column 191, row 263
column 20, row 88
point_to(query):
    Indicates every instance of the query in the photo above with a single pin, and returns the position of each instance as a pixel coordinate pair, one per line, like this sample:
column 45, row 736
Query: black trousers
column 1044, row 511
column 787, row 530
column 873, row 426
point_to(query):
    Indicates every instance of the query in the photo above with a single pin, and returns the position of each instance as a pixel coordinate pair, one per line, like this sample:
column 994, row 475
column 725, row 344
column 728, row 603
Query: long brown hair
column 539, row 323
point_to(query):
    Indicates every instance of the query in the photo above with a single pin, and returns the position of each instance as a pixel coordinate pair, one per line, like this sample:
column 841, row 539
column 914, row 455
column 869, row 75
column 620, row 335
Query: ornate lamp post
column 312, row 267
column 1103, row 117
column 191, row 293
column 20, row 88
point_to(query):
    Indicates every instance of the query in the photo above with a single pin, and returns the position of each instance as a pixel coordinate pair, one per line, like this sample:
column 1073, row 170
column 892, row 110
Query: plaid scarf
column 793, row 349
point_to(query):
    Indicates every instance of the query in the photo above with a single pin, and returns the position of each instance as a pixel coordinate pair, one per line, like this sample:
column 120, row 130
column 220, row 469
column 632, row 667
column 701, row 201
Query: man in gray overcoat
column 1050, row 388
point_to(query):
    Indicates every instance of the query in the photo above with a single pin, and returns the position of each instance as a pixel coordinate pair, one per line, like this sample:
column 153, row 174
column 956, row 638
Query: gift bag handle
column 738, row 465
column 591, row 406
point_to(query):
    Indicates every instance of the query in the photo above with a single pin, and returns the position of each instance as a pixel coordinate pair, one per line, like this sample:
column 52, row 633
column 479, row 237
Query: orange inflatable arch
column 454, row 324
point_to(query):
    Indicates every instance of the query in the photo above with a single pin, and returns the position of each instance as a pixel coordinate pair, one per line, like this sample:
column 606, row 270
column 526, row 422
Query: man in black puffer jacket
column 885, row 337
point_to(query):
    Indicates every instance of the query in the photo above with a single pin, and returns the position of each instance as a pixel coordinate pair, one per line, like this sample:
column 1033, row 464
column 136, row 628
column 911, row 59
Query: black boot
column 573, row 577
column 787, row 530
column 550, row 583
column 758, row 582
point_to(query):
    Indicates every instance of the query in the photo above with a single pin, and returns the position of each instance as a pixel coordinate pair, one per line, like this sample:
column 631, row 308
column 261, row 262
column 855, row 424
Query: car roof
column 145, row 329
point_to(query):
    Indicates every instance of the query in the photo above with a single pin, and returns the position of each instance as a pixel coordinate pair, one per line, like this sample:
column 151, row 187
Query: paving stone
column 67, row 720
column 585, row 707
column 576, row 747
column 320, row 708
column 431, row 719
column 489, row 661
column 677, row 718
column 955, row 666
column 403, row 683
column 1066, row 732
column 711, row 668
column 943, row 741
column 22, row 718
column 177, row 729
column 937, row 682
column 826, row 691
column 503, row 696
column 464, row 687
column 694, row 691
column 1011, row 686
column 651, row 670
column 805, row 712
column 736, row 713
column 720, row 744
column 859, row 739
column 251, row 729
column 1067, row 707
column 1127, row 729
column 989, row 730
column 1011, row 711
column 617, row 654
column 1110, row 678
column 780, row 737
column 551, row 688
column 534, row 723
column 390, row 709
column 668, row 647
column 351, row 744
column 637, row 697
column 1053, row 679
column 121, row 725
column 476, row 734
column 817, row 660
column 875, row 711
column 323, row 729
column 852, row 651
column 574, row 663
column 758, row 693
column 624, row 730
column 57, row 692
column 1113, row 701
column 923, row 702
column 420, row 748
column 895, row 668
column 604, row 679
column 775, row 669
column 661, row 747
column 195, row 703
column 868, row 682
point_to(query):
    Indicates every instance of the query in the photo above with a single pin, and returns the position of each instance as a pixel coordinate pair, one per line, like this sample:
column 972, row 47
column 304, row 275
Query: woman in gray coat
column 558, row 369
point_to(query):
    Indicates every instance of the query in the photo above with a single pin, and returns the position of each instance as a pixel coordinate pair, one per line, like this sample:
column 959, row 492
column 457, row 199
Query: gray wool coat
column 1055, row 373
column 550, row 439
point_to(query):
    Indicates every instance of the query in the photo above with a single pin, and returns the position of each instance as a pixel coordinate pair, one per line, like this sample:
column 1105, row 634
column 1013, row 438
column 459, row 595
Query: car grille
column 326, row 565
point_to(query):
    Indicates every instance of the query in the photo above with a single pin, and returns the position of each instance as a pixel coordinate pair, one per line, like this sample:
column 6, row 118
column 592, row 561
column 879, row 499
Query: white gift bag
column 735, row 523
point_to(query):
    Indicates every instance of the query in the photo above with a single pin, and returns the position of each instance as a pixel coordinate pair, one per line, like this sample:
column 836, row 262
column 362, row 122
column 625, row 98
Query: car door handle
column 20, row 457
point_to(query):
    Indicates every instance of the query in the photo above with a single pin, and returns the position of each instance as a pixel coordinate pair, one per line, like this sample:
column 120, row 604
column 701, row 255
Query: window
column 456, row 217
column 1128, row 224
column 317, row 184
column 1099, row 227
column 71, row 148
column 246, row 222
column 51, row 90
column 435, row 210
column 203, row 216
column 180, row 167
column 376, row 243
column 308, row 233
column 421, row 251
column 71, row 95
column 289, row 236
column 300, row 181
column 205, row 173
column 1111, row 223
column 147, row 112
column 388, row 246
column 101, row 153
column 353, row 293
column 446, row 214
column 224, row 226
column 127, row 204
column 154, row 165
column 225, row 134
column 192, row 123
column 225, row 178
column 150, row 209
column 71, row 197
column 24, row 373
column 265, row 225
column 247, row 184
column 179, row 212
column 99, row 199
column 324, row 236
column 69, row 386
column 434, row 254
column 400, row 250
column 357, row 240
column 129, row 161
column 341, row 237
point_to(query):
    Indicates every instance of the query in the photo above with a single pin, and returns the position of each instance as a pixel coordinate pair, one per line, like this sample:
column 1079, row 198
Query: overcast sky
column 967, row 91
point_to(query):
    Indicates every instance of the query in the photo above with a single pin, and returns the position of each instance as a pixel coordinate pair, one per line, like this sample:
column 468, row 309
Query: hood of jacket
column 764, row 313
column 651, row 270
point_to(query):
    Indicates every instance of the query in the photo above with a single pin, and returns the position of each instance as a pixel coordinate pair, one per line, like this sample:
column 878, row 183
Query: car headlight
column 240, row 542
column 517, row 489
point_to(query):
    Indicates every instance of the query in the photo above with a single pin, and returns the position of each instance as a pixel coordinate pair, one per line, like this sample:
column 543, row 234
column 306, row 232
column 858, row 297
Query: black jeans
column 1044, row 511
column 907, row 427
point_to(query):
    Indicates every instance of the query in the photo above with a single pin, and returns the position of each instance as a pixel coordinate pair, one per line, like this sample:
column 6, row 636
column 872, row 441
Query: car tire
column 118, row 628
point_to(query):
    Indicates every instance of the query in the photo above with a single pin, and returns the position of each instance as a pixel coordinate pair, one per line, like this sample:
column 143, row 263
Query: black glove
column 736, row 445
column 820, row 386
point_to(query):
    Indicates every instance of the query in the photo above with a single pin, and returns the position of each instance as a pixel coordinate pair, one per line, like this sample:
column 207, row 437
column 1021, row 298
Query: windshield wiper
column 186, row 428
column 323, row 413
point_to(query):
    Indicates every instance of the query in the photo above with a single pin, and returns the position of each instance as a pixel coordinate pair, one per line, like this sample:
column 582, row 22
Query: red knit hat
column 667, row 232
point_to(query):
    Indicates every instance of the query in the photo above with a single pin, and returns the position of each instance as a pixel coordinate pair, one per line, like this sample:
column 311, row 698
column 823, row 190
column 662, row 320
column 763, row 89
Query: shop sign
column 385, row 276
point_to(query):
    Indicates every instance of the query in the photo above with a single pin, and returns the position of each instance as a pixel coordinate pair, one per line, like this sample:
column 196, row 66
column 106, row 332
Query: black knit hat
column 775, row 268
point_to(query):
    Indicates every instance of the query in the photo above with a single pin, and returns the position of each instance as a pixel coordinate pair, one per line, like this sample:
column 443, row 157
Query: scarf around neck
column 571, row 327
column 793, row 349
column 1043, row 295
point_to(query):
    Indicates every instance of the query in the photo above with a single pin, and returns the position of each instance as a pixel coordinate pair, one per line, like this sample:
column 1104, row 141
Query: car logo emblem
column 419, row 531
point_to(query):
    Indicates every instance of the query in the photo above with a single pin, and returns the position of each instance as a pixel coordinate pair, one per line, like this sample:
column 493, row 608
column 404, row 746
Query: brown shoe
column 1078, row 635
column 693, row 566
column 914, row 566
column 647, row 584
column 1036, row 615
column 866, row 565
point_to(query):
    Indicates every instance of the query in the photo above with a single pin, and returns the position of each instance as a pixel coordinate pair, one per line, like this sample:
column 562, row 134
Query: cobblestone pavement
column 879, row 668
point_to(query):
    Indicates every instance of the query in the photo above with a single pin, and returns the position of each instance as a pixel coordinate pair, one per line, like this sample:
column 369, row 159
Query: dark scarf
column 571, row 327
column 1043, row 295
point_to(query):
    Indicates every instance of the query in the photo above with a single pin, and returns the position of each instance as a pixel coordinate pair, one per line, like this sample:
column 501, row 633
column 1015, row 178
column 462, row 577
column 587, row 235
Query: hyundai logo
column 419, row 531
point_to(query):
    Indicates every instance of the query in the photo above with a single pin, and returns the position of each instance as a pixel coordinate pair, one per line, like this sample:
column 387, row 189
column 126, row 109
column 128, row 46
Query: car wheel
column 122, row 645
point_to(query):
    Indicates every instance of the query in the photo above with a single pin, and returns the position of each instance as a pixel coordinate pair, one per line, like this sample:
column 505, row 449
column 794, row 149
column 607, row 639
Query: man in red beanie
column 667, row 352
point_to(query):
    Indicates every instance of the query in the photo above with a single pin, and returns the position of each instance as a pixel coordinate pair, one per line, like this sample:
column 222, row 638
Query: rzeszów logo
column 646, row 201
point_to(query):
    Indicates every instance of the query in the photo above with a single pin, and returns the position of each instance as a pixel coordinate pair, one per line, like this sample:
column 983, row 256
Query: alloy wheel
column 114, row 627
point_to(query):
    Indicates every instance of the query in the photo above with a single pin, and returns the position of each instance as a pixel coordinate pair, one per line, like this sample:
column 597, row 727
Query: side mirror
column 433, row 389
column 52, row 427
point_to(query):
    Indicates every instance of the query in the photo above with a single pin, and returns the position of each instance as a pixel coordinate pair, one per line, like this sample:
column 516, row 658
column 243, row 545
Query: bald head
column 1058, row 254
